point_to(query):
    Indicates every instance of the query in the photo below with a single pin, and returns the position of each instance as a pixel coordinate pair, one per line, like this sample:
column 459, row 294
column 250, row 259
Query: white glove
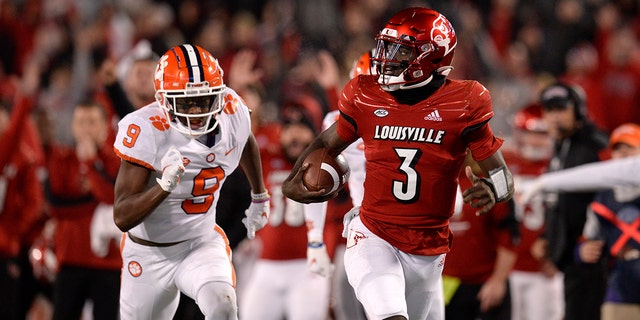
column 103, row 230
column 172, row 169
column 318, row 259
column 257, row 213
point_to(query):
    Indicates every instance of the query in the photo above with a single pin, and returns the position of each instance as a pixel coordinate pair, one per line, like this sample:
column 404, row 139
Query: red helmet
column 531, row 138
column 530, row 119
column 363, row 65
column 414, row 44
column 189, row 87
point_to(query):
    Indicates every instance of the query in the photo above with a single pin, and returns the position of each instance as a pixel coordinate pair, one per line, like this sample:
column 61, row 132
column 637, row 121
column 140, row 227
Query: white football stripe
column 193, row 58
column 334, row 175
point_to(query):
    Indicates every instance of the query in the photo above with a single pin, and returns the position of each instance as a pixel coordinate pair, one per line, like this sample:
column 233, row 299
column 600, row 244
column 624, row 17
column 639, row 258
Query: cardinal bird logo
column 440, row 33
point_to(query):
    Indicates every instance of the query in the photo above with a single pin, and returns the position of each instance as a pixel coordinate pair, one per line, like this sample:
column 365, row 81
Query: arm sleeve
column 347, row 127
column 478, row 134
column 315, row 214
column 593, row 176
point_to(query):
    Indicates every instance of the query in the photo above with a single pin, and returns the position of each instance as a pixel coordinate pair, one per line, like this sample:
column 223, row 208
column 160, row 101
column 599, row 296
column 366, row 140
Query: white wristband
column 497, row 181
column 260, row 197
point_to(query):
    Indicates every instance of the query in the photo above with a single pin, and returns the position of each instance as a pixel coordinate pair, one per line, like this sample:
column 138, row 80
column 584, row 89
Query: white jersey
column 144, row 136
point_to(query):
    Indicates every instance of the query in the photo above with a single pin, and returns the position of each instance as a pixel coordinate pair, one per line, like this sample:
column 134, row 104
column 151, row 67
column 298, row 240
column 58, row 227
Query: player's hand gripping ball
column 326, row 171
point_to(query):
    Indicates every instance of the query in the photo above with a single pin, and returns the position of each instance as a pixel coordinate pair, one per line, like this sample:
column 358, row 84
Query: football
column 326, row 171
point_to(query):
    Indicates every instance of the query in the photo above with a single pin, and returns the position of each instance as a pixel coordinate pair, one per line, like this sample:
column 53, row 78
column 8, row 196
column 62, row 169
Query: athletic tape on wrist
column 497, row 181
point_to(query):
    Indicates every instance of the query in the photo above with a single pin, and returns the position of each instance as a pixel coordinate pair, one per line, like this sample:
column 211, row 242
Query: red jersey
column 531, row 216
column 21, row 194
column 415, row 152
column 75, row 190
column 285, row 235
column 21, row 199
column 474, row 250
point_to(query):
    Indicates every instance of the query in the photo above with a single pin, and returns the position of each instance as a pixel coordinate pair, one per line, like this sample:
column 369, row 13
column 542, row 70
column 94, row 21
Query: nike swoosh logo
column 229, row 151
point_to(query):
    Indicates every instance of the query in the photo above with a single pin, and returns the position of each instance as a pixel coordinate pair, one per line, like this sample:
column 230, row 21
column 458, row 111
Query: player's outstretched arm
column 586, row 178
column 293, row 188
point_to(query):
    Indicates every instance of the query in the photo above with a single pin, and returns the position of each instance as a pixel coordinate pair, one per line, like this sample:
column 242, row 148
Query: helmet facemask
column 400, row 63
column 189, row 87
column 193, row 111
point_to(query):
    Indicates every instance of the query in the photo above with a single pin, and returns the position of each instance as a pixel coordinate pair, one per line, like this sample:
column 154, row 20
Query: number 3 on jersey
column 407, row 191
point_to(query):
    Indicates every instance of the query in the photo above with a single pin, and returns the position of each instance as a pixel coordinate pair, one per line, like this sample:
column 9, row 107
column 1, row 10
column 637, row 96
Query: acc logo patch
column 381, row 113
column 135, row 269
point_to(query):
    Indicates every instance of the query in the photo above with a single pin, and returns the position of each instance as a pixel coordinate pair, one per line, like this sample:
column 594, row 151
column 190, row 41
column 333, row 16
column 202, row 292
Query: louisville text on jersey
column 400, row 133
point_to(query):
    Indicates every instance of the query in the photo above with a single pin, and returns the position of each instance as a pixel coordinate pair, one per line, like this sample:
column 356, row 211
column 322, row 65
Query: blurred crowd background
column 58, row 54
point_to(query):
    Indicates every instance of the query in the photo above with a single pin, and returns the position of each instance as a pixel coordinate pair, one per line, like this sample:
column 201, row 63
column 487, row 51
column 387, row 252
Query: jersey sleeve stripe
column 350, row 120
column 133, row 160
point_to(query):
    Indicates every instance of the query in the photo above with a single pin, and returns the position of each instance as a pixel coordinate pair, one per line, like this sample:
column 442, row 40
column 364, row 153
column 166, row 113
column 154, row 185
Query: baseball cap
column 628, row 133
column 555, row 96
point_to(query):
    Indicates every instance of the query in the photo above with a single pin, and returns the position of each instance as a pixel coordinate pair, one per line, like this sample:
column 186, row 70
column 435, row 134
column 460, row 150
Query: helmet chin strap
column 444, row 71
column 416, row 85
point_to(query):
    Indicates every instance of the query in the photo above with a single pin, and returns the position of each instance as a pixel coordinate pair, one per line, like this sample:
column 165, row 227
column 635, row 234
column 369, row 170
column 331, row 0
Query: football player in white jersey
column 176, row 155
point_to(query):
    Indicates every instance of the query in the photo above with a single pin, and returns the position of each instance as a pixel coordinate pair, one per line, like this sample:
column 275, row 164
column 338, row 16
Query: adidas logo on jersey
column 433, row 116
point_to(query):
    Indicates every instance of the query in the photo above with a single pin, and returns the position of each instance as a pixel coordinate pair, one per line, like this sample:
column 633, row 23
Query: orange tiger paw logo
column 230, row 104
column 160, row 123
column 135, row 269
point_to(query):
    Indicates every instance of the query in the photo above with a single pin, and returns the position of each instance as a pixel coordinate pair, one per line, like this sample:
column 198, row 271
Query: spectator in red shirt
column 21, row 200
column 80, row 179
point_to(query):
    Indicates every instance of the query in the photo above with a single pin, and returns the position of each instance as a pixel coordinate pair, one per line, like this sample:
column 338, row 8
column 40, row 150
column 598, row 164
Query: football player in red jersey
column 416, row 126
